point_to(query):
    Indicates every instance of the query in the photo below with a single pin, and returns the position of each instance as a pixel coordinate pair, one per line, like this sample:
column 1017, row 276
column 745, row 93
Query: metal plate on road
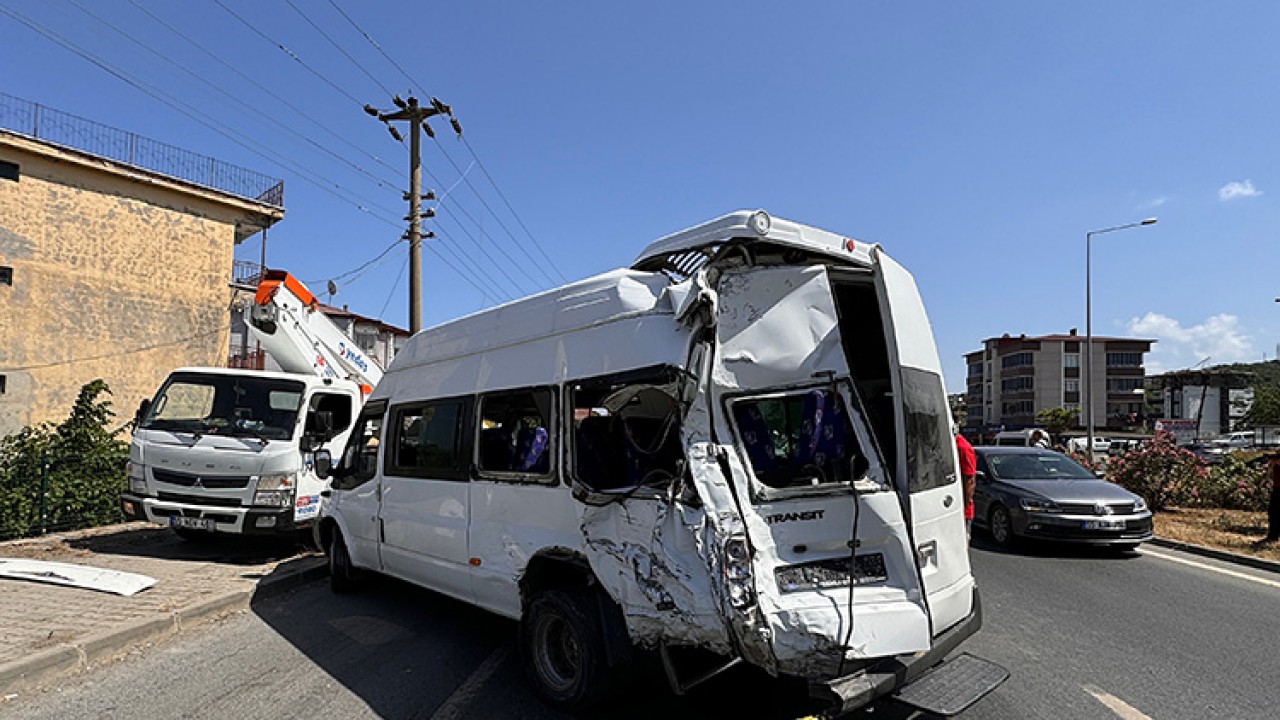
column 192, row 523
column 953, row 686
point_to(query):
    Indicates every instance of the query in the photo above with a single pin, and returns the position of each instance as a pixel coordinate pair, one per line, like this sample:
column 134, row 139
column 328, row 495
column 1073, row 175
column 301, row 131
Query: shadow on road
column 1027, row 547
column 410, row 653
column 161, row 543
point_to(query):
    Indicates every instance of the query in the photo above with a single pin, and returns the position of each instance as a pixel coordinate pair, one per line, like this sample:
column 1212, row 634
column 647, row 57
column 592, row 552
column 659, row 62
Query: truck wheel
column 343, row 576
column 562, row 649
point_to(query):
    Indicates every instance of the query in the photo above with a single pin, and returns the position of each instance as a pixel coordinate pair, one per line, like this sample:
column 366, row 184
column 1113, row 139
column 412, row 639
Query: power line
column 493, row 182
column 301, row 113
column 339, row 48
column 242, row 103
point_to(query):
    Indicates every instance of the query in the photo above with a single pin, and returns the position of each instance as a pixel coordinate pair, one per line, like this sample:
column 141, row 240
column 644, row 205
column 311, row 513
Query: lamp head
column 1150, row 221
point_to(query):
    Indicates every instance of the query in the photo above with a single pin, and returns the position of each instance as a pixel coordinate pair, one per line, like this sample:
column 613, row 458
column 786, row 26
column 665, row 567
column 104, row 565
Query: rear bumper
column 891, row 674
column 233, row 520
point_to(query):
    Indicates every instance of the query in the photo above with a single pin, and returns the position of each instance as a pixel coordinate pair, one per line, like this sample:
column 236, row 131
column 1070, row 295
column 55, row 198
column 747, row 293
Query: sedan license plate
column 192, row 523
column 1103, row 524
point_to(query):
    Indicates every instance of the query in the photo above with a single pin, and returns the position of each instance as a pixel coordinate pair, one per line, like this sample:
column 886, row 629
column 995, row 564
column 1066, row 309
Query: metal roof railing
column 72, row 131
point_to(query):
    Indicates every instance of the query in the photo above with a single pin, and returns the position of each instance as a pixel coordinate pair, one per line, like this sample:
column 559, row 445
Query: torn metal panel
column 81, row 576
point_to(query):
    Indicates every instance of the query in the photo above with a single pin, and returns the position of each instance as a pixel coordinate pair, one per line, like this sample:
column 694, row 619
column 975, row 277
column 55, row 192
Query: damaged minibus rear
column 740, row 448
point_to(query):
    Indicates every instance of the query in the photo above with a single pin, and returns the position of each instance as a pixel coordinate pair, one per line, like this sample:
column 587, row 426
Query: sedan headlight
column 274, row 490
column 1037, row 505
column 1139, row 505
column 137, row 477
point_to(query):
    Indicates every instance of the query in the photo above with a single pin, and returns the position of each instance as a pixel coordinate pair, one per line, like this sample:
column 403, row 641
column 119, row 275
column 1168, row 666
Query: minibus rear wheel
column 562, row 649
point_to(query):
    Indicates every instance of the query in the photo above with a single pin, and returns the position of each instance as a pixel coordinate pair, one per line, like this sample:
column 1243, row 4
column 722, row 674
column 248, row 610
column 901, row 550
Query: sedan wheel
column 1001, row 526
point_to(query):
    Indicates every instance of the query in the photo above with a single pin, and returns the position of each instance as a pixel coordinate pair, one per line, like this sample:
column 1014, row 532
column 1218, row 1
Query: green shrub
column 1161, row 472
column 1238, row 482
column 79, row 463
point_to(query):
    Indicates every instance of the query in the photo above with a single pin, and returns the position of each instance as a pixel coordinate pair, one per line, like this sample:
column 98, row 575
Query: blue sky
column 977, row 142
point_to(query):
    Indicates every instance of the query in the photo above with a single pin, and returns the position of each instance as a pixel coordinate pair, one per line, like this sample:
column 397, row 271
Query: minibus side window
column 360, row 457
column 516, row 438
column 426, row 440
column 626, row 432
column 928, row 424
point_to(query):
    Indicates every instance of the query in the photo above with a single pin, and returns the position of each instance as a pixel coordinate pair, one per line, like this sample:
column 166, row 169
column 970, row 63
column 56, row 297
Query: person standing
column 968, row 471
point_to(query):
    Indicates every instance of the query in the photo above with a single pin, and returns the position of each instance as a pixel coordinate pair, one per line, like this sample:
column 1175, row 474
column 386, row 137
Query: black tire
column 1000, row 525
column 562, row 649
column 343, row 576
column 1124, row 547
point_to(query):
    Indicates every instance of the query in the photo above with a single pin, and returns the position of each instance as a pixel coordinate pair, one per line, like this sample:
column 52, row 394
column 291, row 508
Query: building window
column 6, row 275
column 975, row 370
column 1016, row 360
column 1124, row 385
column 1071, row 360
column 1124, row 359
column 8, row 171
column 3, row 383
column 1071, row 385
column 1020, row 407
column 1018, row 384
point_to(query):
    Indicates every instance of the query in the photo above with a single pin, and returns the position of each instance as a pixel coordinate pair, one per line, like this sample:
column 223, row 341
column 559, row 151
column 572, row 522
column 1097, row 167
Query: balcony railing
column 72, row 131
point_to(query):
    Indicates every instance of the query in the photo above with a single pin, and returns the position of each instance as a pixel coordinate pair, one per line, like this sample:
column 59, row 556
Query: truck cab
column 230, row 451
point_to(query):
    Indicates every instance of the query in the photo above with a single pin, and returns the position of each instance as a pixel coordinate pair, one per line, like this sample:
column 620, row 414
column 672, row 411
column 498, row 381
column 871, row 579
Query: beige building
column 108, row 269
column 1011, row 379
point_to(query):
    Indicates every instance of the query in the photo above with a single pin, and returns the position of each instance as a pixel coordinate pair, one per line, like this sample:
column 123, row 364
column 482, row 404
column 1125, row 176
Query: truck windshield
column 798, row 439
column 265, row 408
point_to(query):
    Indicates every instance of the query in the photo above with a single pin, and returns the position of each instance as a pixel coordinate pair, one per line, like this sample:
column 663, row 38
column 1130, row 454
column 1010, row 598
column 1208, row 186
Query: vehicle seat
column 598, row 458
column 531, row 454
column 756, row 437
column 823, row 439
column 495, row 449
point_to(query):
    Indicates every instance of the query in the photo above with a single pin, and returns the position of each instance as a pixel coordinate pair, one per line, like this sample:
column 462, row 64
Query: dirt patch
column 1237, row 531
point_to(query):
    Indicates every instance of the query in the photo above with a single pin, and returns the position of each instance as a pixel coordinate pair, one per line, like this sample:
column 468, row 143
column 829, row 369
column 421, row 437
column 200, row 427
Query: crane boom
column 285, row 317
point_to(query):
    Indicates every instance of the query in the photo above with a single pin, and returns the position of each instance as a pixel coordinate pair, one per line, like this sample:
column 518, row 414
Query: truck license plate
column 192, row 523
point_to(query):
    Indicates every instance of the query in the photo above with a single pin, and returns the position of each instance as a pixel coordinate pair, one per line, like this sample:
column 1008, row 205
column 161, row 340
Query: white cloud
column 1154, row 203
column 1233, row 190
column 1218, row 337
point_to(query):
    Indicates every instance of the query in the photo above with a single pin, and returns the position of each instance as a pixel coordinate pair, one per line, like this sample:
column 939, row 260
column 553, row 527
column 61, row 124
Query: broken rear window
column 798, row 439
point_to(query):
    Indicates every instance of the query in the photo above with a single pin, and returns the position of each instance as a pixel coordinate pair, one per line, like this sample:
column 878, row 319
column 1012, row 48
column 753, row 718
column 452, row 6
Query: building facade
column 1012, row 379
column 108, row 269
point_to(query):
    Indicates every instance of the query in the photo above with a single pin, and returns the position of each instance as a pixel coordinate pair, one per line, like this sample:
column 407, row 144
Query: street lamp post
column 1088, row 324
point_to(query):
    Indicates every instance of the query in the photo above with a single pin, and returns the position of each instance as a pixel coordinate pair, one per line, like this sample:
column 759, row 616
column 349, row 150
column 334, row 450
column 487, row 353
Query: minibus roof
column 683, row 252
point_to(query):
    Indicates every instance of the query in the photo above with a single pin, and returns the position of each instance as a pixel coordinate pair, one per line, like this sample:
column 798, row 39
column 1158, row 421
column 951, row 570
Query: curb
column 69, row 658
column 1237, row 558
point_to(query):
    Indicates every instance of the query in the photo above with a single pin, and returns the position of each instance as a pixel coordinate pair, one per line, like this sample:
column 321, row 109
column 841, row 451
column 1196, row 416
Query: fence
column 52, row 493
column 72, row 131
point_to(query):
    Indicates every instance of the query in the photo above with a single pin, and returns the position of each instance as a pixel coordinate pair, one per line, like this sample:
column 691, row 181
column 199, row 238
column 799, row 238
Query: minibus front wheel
column 562, row 648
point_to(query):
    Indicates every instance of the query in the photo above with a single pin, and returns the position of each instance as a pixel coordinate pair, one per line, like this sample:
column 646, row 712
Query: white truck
column 230, row 450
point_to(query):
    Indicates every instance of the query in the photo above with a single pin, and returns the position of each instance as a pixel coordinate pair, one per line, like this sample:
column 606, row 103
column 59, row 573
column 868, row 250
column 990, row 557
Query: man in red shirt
column 968, row 469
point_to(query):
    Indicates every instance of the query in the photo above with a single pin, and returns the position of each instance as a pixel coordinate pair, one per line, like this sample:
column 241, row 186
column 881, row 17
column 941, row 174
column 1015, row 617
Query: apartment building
column 1012, row 378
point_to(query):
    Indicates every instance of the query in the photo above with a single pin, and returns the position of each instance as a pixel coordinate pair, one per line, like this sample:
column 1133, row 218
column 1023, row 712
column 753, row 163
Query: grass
column 1235, row 531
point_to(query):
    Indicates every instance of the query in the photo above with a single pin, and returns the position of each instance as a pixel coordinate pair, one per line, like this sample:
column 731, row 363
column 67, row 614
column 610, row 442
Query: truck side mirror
column 323, row 463
column 143, row 407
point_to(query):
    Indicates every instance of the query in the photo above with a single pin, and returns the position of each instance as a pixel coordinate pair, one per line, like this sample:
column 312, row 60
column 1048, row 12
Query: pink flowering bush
column 1160, row 471
column 1238, row 482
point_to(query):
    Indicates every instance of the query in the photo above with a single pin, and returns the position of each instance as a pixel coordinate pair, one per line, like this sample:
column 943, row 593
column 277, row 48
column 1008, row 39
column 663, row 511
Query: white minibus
column 740, row 446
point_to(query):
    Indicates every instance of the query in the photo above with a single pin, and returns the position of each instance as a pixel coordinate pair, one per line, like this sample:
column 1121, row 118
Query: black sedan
column 1030, row 492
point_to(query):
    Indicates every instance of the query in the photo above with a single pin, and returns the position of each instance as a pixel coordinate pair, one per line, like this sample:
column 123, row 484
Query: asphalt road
column 1085, row 634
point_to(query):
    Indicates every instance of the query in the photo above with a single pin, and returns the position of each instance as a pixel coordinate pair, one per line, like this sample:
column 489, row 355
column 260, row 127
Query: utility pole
column 417, row 116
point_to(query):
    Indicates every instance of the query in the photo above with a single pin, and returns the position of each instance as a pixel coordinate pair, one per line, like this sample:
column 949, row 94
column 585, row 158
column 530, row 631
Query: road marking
column 1212, row 568
column 455, row 706
column 1121, row 708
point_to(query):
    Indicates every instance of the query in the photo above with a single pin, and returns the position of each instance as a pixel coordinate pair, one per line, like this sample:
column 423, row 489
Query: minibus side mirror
column 323, row 463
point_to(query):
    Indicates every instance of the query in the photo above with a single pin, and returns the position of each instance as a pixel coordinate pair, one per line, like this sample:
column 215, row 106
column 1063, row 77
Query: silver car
column 1030, row 492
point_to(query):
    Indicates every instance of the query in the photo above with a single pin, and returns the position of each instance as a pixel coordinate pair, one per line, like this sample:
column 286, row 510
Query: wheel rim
column 557, row 654
column 1000, row 530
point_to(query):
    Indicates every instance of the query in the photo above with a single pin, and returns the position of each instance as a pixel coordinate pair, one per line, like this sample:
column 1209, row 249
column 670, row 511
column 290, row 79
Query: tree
column 1057, row 420
column 1265, row 409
